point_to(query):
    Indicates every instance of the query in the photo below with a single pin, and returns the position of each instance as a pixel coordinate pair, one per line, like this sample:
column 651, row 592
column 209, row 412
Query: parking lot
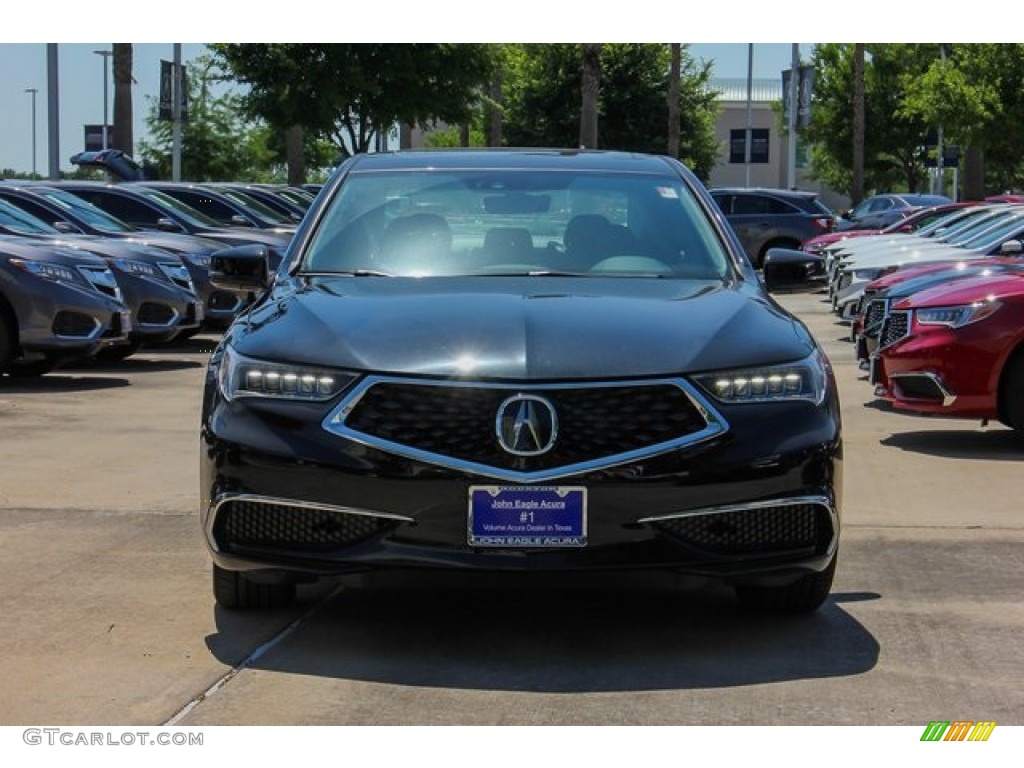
column 108, row 616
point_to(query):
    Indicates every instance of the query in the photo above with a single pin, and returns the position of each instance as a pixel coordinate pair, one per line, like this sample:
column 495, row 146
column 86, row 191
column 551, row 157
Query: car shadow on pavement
column 139, row 364
column 197, row 345
column 996, row 443
column 59, row 382
column 558, row 641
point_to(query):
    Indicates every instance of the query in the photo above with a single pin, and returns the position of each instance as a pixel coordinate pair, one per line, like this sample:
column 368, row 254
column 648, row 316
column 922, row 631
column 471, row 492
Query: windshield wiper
column 347, row 273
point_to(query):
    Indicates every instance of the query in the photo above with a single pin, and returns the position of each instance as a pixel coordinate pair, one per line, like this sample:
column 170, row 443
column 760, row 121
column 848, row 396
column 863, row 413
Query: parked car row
column 937, row 314
column 90, row 269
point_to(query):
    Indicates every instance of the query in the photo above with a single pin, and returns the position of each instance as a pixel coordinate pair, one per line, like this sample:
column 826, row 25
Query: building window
column 758, row 145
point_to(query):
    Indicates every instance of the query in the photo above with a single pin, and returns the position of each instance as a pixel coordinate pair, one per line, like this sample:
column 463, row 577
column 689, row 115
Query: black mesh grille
column 917, row 388
column 67, row 323
column 874, row 316
column 245, row 525
column 222, row 300
column 897, row 326
column 741, row 532
column 459, row 422
column 155, row 314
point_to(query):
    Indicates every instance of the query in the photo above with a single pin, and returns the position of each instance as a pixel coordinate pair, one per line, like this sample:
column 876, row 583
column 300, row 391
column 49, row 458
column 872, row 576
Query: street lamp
column 33, row 91
column 106, row 54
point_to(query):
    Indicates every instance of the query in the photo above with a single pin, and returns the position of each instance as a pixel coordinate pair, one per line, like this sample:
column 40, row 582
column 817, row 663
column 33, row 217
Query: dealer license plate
column 520, row 516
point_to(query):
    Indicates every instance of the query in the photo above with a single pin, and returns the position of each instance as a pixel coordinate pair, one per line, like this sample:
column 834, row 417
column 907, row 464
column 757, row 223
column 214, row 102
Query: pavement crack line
column 251, row 659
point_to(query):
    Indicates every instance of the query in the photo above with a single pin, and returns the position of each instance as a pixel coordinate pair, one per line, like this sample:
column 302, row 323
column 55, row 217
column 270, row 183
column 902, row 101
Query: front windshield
column 964, row 233
column 995, row 235
column 516, row 222
column 955, row 219
column 186, row 212
column 85, row 211
column 263, row 212
column 15, row 220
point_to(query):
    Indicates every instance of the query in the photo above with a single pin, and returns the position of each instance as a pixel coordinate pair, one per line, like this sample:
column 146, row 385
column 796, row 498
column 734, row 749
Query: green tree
column 542, row 93
column 218, row 142
column 347, row 93
column 976, row 92
column 893, row 138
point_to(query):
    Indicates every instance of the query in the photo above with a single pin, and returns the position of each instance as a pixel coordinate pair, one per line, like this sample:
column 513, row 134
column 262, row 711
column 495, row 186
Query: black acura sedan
column 533, row 360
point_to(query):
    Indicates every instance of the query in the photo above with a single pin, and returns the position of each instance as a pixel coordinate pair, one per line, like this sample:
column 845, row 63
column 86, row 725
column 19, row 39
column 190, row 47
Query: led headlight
column 136, row 267
column 802, row 380
column 957, row 317
column 46, row 270
column 201, row 260
column 241, row 376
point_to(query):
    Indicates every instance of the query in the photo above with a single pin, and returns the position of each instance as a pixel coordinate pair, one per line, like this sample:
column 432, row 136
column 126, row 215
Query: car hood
column 113, row 249
column 520, row 327
column 982, row 288
column 918, row 270
column 245, row 236
column 945, row 277
column 173, row 242
column 898, row 256
column 24, row 248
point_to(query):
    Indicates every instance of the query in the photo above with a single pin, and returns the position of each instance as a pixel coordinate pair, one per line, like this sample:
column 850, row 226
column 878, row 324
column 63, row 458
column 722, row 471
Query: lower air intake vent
column 248, row 525
column 74, row 324
column 769, row 530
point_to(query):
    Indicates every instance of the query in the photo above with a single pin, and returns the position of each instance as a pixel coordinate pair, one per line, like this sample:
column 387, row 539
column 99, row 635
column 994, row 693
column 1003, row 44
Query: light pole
column 106, row 54
column 33, row 91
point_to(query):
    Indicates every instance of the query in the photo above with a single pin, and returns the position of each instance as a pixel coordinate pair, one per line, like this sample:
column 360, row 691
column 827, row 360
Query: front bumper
column 160, row 310
column 62, row 321
column 405, row 513
column 942, row 371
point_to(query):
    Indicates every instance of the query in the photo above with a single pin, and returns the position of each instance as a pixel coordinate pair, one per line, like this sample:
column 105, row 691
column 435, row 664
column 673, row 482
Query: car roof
column 800, row 193
column 513, row 158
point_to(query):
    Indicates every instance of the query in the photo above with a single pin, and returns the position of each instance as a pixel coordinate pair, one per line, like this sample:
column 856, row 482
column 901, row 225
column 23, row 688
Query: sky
column 26, row 30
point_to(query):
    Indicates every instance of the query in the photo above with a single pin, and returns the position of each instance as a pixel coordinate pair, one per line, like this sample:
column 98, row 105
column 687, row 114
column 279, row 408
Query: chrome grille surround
column 714, row 424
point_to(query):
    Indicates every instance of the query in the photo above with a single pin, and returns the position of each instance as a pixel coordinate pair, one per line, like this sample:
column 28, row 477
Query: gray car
column 773, row 218
column 56, row 304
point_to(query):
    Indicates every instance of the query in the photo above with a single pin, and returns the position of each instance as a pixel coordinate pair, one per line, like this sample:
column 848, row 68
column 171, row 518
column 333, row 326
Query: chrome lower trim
column 169, row 324
column 793, row 501
column 948, row 398
column 715, row 425
column 91, row 336
column 213, row 508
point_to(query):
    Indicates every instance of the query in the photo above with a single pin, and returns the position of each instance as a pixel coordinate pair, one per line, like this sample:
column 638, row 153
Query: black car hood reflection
column 537, row 328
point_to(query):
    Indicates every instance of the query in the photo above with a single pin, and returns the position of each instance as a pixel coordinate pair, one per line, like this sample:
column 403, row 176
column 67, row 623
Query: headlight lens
column 803, row 380
column 241, row 376
column 46, row 270
column 136, row 267
column 957, row 317
column 201, row 260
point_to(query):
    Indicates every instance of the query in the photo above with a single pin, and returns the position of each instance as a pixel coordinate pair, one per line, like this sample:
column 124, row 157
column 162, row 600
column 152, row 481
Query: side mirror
column 168, row 225
column 788, row 269
column 1011, row 248
column 240, row 221
column 66, row 227
column 244, row 269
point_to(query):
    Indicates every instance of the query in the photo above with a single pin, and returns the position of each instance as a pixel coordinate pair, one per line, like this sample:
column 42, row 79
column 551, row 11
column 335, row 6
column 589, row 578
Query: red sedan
column 957, row 350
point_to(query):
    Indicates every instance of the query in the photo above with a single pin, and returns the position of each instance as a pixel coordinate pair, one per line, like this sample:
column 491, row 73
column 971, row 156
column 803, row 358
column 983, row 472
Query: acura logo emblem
column 526, row 425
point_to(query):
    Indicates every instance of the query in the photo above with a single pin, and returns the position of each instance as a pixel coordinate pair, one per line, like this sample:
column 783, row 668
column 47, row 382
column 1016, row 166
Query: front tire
column 233, row 591
column 804, row 595
column 1012, row 394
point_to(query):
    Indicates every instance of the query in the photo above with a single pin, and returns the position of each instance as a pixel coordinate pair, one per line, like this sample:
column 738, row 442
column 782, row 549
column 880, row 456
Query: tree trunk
column 494, row 114
column 464, row 135
column 591, row 91
column 673, row 100
column 294, row 156
column 972, row 179
column 857, row 187
column 122, row 137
